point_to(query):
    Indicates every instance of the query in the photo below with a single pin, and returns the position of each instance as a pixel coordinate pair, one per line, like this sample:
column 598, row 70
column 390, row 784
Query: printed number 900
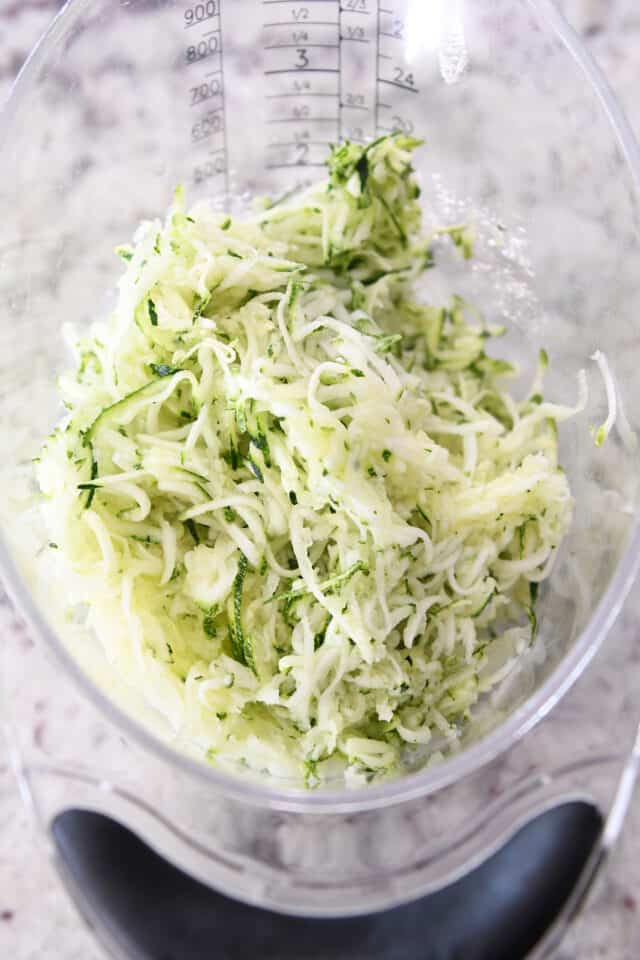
column 200, row 12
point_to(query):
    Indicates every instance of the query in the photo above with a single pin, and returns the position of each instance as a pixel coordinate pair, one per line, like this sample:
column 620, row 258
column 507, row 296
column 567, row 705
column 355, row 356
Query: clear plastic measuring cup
column 232, row 98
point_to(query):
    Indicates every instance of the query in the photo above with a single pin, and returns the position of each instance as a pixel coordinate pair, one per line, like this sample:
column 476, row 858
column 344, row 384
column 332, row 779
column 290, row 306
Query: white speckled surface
column 36, row 919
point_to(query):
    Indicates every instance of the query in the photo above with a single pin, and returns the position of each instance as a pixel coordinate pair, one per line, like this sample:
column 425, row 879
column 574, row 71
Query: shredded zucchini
column 305, row 512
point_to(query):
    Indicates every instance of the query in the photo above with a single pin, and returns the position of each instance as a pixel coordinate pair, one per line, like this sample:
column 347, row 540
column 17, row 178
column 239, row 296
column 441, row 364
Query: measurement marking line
column 354, row 106
column 204, row 137
column 394, row 83
column 218, row 150
column 207, row 56
column 282, row 96
column 210, row 96
column 363, row 12
column 299, row 70
column 213, row 73
column 269, row 3
column 210, row 33
column 384, row 56
column 283, row 166
column 301, row 46
column 384, row 10
column 355, row 39
column 215, row 109
column 198, row 23
column 305, row 120
column 297, row 143
column 301, row 24
column 393, row 36
column 387, row 106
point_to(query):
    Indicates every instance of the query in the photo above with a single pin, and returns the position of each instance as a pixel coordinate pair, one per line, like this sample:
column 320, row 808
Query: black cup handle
column 148, row 909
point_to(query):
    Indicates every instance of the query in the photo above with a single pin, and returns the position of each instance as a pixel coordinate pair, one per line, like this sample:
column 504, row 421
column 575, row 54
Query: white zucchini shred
column 616, row 415
column 307, row 517
column 602, row 432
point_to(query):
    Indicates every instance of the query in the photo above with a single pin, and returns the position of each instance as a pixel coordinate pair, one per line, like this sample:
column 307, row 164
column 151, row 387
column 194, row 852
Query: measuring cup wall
column 235, row 97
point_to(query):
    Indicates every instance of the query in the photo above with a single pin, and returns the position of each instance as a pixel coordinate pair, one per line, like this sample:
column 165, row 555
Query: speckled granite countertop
column 36, row 918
